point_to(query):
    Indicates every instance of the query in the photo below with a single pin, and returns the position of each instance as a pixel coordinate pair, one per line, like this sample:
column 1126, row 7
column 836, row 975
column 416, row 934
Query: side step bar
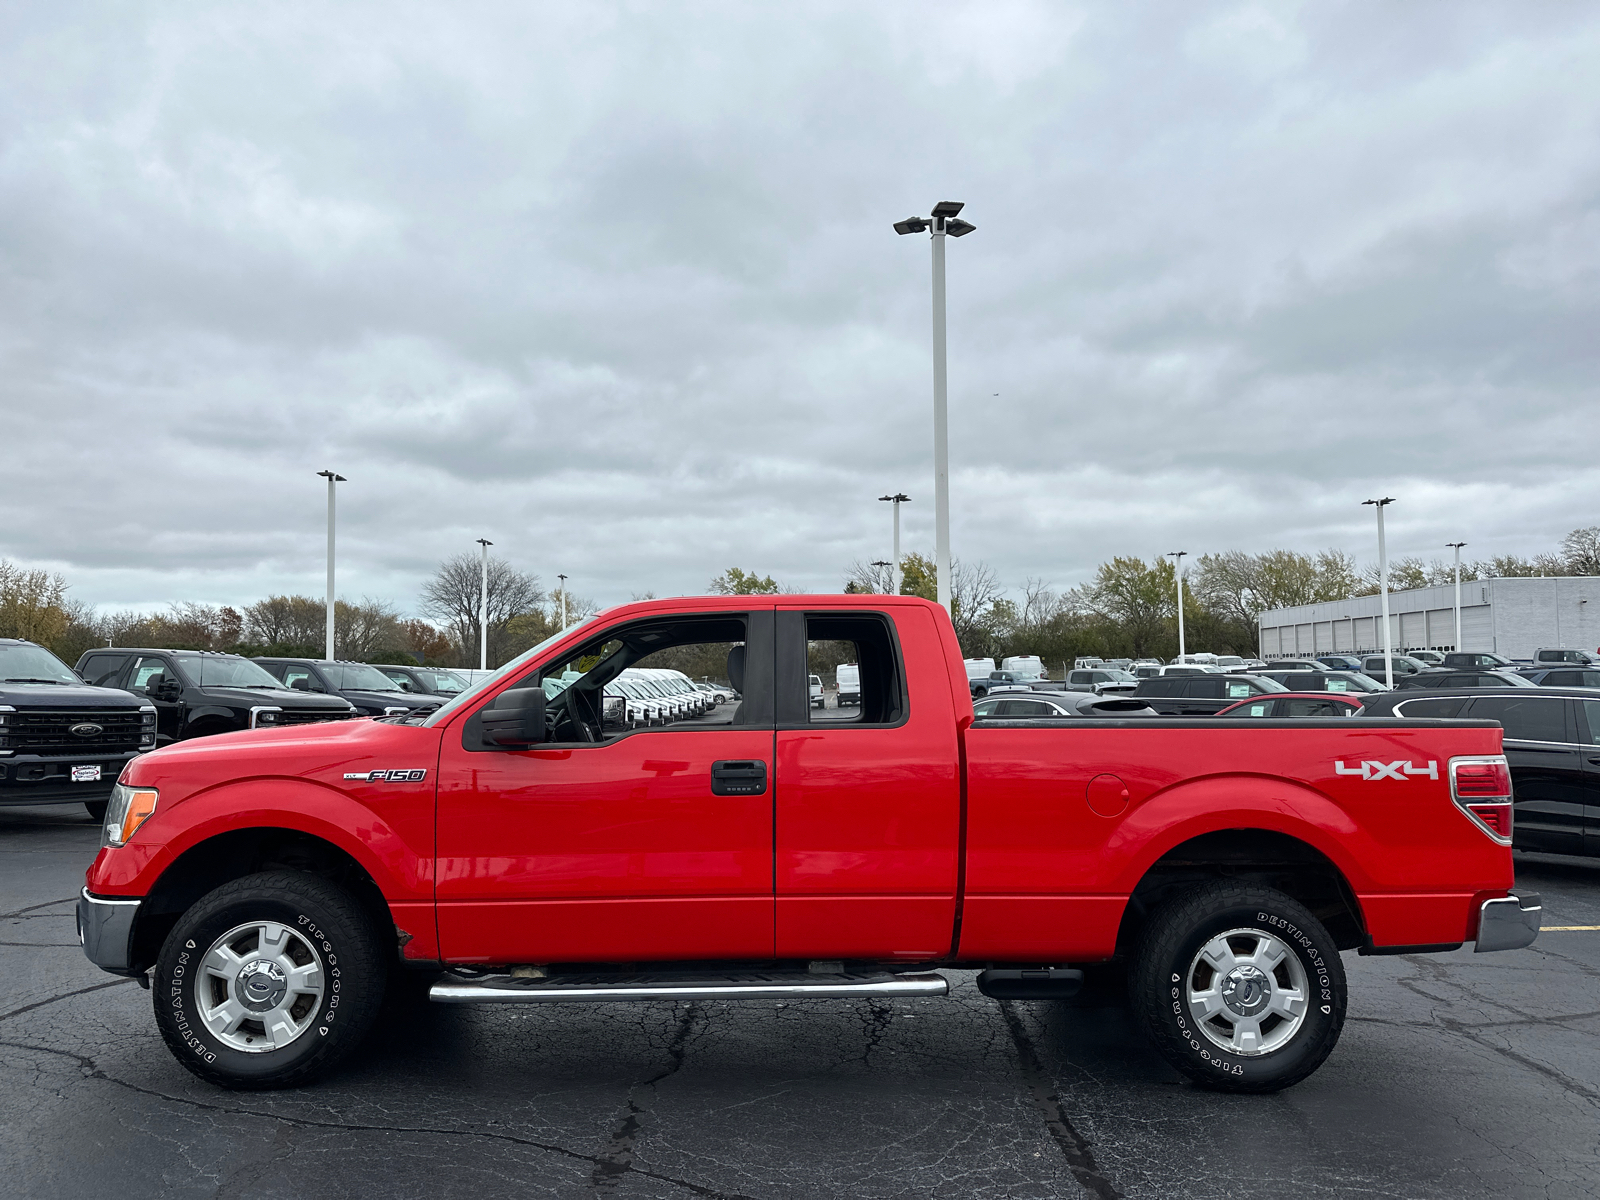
column 589, row 989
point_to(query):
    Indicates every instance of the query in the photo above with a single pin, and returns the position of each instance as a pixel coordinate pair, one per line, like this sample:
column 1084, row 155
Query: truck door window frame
column 793, row 689
column 756, row 705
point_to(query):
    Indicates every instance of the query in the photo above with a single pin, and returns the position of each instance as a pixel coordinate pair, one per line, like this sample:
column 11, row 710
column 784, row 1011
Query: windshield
column 225, row 670
column 446, row 683
column 33, row 664
column 516, row 664
column 358, row 677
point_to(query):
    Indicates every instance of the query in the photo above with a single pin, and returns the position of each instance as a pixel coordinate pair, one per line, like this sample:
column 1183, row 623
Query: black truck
column 372, row 692
column 199, row 692
column 62, row 741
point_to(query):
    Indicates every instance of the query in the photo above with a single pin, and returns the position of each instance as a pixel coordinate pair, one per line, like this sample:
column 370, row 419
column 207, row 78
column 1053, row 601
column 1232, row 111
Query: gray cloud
column 615, row 286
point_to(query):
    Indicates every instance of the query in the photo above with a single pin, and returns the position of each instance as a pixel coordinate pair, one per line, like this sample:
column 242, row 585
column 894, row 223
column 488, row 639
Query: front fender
column 390, row 835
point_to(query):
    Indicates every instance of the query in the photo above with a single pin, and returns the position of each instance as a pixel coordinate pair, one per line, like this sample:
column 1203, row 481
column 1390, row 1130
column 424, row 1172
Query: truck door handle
column 739, row 777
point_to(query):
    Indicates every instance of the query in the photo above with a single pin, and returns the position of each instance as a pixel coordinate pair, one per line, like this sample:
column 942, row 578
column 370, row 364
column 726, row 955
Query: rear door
column 867, row 814
column 1548, row 776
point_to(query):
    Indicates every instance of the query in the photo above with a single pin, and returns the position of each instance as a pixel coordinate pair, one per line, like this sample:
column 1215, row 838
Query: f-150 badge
column 1399, row 769
column 411, row 776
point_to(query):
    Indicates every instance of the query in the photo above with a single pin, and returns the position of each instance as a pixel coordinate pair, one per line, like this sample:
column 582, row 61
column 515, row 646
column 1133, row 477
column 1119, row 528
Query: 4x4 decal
column 1399, row 769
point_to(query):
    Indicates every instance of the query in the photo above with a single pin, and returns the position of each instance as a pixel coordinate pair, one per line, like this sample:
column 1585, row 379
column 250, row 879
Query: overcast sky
column 615, row 286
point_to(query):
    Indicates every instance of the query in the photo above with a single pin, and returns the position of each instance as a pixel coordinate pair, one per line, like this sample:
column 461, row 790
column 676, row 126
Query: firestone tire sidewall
column 1163, row 993
column 346, row 956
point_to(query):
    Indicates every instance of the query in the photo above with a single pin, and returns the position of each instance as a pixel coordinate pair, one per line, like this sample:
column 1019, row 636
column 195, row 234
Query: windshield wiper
column 24, row 679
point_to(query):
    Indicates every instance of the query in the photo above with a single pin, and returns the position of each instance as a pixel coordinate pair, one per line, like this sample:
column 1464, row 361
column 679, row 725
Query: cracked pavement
column 1458, row 1075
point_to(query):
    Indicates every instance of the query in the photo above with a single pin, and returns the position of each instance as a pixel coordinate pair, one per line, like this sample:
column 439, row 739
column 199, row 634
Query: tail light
column 1481, row 788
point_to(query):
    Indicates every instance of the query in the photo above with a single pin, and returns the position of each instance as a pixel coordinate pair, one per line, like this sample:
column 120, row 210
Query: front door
column 868, row 802
column 608, row 844
column 1548, row 781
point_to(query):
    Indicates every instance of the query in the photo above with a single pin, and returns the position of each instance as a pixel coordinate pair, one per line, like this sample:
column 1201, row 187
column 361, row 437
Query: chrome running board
column 754, row 985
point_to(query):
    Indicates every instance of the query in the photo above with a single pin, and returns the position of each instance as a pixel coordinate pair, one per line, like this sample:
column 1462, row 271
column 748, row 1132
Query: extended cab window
column 859, row 650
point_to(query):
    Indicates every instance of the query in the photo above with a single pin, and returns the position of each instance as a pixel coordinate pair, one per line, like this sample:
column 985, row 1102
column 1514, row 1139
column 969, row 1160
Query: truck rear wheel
column 1240, row 987
column 268, row 981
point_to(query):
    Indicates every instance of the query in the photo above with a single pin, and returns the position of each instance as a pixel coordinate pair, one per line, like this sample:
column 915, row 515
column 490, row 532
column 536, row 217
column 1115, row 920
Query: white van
column 849, row 677
column 1024, row 666
column 979, row 668
column 817, row 699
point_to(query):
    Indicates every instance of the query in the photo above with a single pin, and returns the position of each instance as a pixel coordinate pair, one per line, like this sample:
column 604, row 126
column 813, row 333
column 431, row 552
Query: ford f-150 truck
column 268, row 885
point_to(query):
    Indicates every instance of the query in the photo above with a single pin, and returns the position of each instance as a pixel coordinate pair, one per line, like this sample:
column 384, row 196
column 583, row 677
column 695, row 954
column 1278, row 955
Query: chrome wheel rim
column 1247, row 992
column 259, row 987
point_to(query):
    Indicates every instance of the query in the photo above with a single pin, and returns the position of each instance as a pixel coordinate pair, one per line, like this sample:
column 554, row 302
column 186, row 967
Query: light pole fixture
column 1383, row 589
column 881, row 563
column 1456, row 546
column 483, row 609
column 941, row 222
column 332, row 479
column 563, row 579
column 1177, row 557
column 897, row 499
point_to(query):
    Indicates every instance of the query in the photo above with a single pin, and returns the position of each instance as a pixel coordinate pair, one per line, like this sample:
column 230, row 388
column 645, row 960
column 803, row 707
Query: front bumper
column 1509, row 923
column 105, row 927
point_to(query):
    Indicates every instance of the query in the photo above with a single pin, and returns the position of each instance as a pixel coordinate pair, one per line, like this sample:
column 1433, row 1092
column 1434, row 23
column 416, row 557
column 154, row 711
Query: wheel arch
column 1268, row 857
column 236, row 853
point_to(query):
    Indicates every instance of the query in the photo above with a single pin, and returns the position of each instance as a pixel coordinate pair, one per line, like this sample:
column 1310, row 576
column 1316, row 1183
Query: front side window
column 147, row 669
column 1433, row 706
column 1306, row 707
column 298, row 676
column 985, row 708
column 641, row 659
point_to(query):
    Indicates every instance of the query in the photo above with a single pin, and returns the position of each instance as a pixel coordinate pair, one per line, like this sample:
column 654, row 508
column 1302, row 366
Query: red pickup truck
column 519, row 845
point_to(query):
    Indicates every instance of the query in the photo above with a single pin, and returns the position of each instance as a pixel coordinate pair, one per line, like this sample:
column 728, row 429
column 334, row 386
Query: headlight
column 130, row 807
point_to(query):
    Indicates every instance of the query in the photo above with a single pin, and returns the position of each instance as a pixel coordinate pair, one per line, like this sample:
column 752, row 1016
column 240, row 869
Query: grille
column 49, row 733
column 308, row 716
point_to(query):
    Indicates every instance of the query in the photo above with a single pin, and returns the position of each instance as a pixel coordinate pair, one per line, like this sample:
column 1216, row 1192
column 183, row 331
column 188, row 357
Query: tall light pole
column 942, row 221
column 1383, row 589
column 563, row 579
column 483, row 609
column 897, row 499
column 881, row 563
column 332, row 479
column 1456, row 546
column 1177, row 557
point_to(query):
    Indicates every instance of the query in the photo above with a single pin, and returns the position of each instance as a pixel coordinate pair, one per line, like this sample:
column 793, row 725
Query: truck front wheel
column 1240, row 987
column 268, row 981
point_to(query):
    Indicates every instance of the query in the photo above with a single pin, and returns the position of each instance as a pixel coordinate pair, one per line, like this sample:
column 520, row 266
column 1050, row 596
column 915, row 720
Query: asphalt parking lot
column 1458, row 1075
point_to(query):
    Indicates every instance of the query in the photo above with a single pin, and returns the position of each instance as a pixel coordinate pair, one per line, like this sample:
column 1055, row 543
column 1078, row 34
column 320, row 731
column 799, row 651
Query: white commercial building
column 1513, row 617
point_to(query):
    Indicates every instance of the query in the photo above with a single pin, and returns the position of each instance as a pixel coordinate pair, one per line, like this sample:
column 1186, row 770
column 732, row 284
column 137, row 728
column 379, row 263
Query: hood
column 281, row 697
column 66, row 695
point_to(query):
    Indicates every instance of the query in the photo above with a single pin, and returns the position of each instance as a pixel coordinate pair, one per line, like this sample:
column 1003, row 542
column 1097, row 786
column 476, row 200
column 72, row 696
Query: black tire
column 325, row 924
column 97, row 809
column 1168, row 971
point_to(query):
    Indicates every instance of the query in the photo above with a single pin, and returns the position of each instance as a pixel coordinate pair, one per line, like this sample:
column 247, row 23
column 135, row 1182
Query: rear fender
column 1222, row 802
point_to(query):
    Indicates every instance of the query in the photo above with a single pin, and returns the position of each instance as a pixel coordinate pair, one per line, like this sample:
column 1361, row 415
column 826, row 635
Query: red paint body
column 620, row 851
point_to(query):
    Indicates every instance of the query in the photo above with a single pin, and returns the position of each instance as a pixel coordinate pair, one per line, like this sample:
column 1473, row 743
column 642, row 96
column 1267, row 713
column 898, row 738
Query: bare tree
column 451, row 597
column 869, row 578
column 1580, row 551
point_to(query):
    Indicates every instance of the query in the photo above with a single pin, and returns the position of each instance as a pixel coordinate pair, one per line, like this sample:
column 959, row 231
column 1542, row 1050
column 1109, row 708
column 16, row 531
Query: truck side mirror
column 515, row 719
column 162, row 688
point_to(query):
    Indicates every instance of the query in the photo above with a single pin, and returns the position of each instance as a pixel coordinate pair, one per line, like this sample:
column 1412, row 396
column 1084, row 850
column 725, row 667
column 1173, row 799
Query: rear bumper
column 105, row 927
column 1509, row 923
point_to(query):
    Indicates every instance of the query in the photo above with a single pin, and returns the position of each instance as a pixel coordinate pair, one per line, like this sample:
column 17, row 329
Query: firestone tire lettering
column 1173, row 938
column 350, row 954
